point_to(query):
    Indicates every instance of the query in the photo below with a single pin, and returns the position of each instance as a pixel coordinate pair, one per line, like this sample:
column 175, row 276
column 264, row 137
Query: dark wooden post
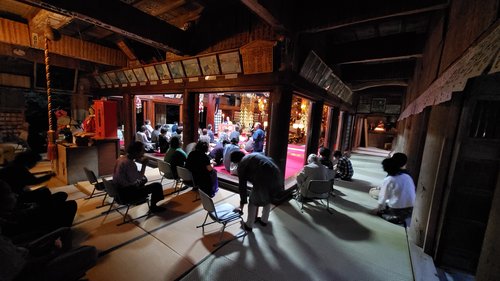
column 128, row 109
column 277, row 137
column 211, row 109
column 334, row 127
column 190, row 117
column 328, row 128
column 314, row 128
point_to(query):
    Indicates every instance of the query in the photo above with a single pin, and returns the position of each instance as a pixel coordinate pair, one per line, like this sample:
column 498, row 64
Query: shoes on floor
column 259, row 221
column 157, row 209
column 246, row 227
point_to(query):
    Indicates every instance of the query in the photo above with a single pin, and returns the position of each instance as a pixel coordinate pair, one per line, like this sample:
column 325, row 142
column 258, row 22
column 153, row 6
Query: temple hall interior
column 249, row 140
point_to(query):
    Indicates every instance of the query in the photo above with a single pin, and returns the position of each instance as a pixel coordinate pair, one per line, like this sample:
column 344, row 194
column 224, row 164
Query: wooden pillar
column 334, row 127
column 190, row 117
column 211, row 109
column 128, row 109
column 314, row 128
column 277, row 138
column 150, row 112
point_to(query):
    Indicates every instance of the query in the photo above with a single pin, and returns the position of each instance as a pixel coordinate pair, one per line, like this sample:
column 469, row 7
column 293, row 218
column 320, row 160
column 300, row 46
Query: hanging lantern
column 138, row 104
column 200, row 107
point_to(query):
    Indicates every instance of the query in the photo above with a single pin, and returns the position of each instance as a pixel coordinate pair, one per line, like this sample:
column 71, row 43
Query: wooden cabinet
column 100, row 158
column 106, row 119
column 70, row 162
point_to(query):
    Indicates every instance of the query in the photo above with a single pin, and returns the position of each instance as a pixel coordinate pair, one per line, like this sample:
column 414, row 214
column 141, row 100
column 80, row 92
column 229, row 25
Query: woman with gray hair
column 312, row 171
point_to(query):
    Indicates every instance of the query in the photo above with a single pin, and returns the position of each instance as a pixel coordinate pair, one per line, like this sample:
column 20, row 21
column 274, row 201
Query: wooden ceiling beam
column 34, row 55
column 351, row 73
column 381, row 83
column 165, row 7
column 117, row 16
column 384, row 49
column 264, row 14
column 126, row 50
column 349, row 14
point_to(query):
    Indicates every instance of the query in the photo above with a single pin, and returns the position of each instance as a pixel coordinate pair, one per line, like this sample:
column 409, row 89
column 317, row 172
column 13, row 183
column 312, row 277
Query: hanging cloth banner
column 472, row 63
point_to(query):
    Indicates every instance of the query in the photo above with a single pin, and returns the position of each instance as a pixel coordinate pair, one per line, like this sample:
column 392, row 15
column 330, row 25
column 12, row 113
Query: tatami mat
column 349, row 244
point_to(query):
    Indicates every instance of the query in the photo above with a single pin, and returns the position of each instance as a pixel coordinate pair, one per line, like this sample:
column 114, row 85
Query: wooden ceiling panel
column 17, row 8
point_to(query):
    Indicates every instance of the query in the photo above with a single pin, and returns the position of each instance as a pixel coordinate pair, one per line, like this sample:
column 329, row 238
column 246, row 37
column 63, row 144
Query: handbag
column 215, row 183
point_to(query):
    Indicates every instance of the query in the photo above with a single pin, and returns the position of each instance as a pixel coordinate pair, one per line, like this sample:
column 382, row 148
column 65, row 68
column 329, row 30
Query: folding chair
column 166, row 173
column 318, row 188
column 187, row 180
column 99, row 186
column 222, row 213
column 112, row 191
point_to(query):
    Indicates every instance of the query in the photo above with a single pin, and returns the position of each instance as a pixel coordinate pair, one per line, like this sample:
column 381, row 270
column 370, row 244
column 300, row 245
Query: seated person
column 204, row 136
column 312, row 171
column 228, row 149
column 149, row 129
column 28, row 218
column 224, row 135
column 324, row 157
column 163, row 140
column 175, row 156
column 141, row 137
column 400, row 160
column 210, row 133
column 236, row 133
column 52, row 210
column 131, row 183
column 198, row 163
column 397, row 193
column 49, row 257
column 344, row 166
column 154, row 135
column 217, row 153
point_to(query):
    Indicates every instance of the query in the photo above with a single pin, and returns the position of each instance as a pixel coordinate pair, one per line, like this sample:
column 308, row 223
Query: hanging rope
column 51, row 134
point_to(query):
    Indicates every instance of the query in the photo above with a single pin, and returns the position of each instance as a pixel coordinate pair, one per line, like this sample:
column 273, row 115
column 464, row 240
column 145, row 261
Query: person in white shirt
column 140, row 136
column 397, row 194
column 314, row 170
column 149, row 129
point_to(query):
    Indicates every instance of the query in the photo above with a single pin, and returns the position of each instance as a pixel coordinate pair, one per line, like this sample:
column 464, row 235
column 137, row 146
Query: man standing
column 258, row 138
column 344, row 166
column 267, row 182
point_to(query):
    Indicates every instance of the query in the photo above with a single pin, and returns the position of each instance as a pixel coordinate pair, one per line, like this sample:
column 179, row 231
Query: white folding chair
column 316, row 190
column 222, row 213
column 166, row 173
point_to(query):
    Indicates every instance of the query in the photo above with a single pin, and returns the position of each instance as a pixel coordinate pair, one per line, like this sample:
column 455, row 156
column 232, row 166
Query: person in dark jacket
column 198, row 162
column 267, row 182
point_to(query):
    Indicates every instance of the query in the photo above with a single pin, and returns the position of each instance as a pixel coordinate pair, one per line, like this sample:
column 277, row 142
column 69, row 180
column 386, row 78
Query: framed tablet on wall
column 209, row 65
column 162, row 71
column 176, row 70
column 151, row 73
column 130, row 75
column 230, row 62
column 140, row 74
column 378, row 105
column 191, row 67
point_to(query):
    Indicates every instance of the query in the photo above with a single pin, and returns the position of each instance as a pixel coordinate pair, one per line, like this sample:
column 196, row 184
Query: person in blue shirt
column 258, row 138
